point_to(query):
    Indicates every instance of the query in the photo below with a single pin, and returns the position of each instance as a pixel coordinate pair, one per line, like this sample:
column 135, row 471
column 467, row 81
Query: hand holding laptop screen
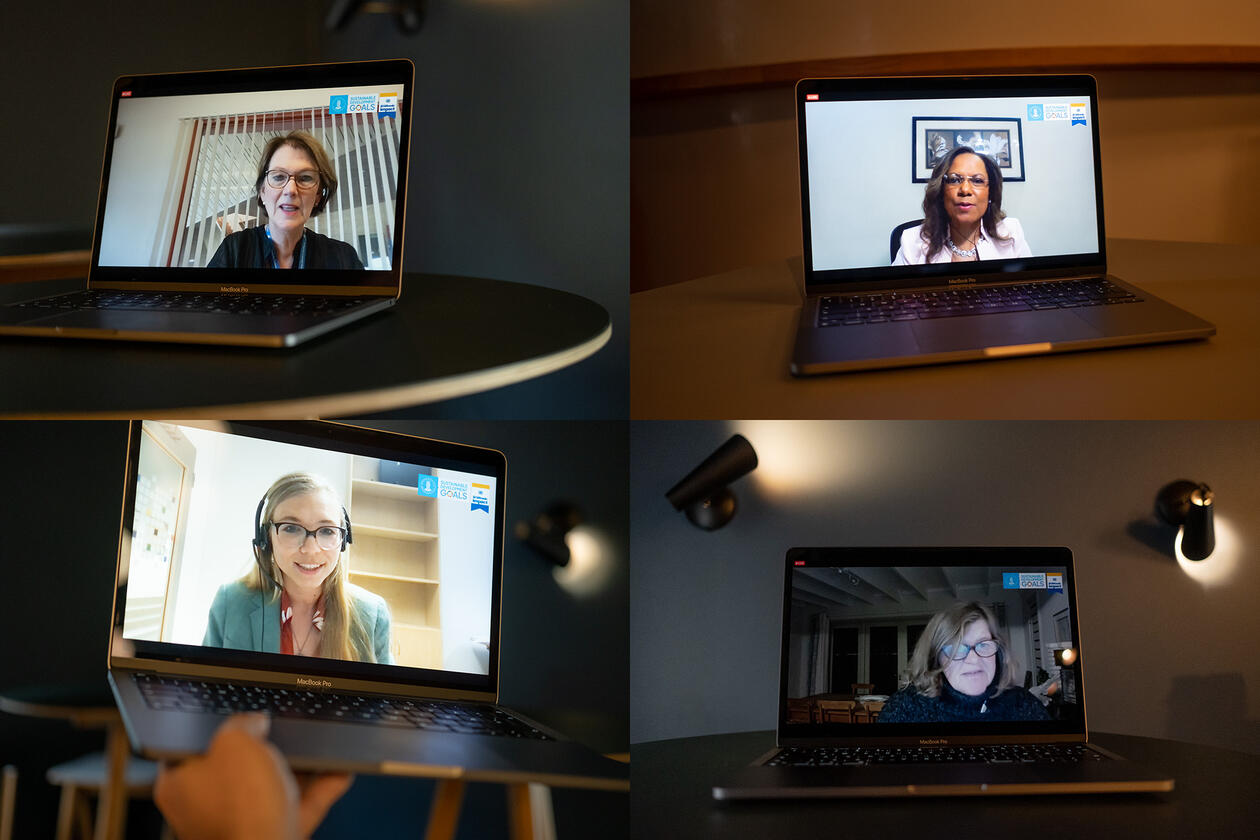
column 251, row 545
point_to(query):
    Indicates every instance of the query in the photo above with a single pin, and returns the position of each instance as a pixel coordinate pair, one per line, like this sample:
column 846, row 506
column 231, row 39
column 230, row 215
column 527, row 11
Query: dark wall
column 519, row 162
column 1164, row 654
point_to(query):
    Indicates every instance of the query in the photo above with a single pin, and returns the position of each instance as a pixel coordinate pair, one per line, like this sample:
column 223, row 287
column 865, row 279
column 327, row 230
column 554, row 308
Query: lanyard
column 300, row 250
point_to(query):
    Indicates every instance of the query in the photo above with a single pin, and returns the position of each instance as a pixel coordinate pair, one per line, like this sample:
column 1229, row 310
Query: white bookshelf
column 395, row 555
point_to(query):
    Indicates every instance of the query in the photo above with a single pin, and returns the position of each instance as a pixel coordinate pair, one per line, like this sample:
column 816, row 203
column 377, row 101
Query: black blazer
column 250, row 248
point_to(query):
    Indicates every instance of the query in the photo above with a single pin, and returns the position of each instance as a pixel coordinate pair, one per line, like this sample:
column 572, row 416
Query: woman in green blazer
column 297, row 599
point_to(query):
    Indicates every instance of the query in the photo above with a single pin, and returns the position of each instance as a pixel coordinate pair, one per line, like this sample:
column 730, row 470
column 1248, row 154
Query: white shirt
column 913, row 250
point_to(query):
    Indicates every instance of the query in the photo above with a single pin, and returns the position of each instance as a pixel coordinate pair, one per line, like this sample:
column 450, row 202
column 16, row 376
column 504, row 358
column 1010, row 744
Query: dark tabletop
column 448, row 336
column 1217, row 795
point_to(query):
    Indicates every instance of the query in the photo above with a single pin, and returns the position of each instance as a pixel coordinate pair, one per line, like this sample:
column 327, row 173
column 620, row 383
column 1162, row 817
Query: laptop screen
column 894, row 642
column 208, row 177
column 894, row 170
column 319, row 549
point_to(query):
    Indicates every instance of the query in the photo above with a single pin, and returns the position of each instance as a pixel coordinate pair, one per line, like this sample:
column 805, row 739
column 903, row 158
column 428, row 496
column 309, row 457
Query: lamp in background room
column 546, row 533
column 1188, row 505
column 704, row 494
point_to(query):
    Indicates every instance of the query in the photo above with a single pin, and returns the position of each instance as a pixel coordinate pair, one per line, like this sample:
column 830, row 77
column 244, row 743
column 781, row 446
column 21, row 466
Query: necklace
column 301, row 646
column 949, row 240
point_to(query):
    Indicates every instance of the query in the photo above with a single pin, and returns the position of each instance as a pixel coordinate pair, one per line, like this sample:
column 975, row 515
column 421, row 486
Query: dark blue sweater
column 909, row 706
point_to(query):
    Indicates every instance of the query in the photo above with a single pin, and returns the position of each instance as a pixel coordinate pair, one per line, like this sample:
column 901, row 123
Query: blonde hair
column 948, row 627
column 343, row 636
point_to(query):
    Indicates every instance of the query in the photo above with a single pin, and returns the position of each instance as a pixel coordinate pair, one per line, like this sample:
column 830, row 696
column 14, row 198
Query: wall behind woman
column 1164, row 655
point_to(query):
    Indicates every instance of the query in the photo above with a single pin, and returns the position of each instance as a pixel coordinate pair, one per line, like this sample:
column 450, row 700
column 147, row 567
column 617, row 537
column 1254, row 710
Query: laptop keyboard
column 169, row 693
column 874, row 308
column 983, row 754
column 96, row 299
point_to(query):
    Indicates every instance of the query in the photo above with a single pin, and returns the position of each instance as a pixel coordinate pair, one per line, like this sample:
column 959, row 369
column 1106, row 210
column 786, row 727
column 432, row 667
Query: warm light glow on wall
column 1218, row 567
column 590, row 562
column 800, row 458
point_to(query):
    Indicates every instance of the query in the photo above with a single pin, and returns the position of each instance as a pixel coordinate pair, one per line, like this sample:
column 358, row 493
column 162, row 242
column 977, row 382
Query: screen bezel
column 945, row 274
column 338, row 675
column 915, row 734
column 376, row 282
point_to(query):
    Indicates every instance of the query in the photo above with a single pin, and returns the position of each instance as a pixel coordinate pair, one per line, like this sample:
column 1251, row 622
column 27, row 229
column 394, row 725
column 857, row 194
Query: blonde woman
column 961, row 671
column 297, row 599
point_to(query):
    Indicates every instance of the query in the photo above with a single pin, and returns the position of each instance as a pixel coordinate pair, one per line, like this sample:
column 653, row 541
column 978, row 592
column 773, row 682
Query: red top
column 286, row 624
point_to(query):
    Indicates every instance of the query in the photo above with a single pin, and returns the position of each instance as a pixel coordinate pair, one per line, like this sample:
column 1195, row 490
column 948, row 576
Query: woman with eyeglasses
column 962, row 215
column 295, row 182
column 297, row 598
column 961, row 671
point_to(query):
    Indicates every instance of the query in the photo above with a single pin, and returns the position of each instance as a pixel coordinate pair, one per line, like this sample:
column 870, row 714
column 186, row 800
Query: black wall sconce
column 704, row 495
column 546, row 532
column 1189, row 505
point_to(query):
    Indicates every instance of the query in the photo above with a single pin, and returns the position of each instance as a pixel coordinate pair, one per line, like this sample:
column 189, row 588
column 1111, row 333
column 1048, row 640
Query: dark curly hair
column 303, row 141
column 936, row 221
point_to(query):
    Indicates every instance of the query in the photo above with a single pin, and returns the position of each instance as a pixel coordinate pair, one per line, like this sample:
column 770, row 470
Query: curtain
column 820, row 654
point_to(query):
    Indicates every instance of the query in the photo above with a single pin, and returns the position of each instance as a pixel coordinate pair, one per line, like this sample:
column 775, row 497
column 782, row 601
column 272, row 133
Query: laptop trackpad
column 969, row 333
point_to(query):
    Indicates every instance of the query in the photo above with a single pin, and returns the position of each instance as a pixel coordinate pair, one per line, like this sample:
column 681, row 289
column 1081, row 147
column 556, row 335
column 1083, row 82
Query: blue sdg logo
column 1010, row 580
column 339, row 104
column 1035, row 113
column 427, row 485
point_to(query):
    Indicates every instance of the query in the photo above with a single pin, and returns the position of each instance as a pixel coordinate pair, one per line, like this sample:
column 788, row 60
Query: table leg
column 112, row 808
column 530, row 816
column 444, row 813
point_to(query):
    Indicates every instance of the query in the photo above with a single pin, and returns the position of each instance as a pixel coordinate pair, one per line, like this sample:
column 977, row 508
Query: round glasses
column 977, row 181
column 959, row 651
column 291, row 536
column 306, row 180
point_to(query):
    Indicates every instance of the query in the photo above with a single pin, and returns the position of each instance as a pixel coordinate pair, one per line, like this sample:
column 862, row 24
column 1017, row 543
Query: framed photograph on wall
column 931, row 138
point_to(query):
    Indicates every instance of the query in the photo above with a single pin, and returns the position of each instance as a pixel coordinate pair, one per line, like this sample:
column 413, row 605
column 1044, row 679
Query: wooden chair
column 863, row 688
column 873, row 708
column 798, row 710
column 835, row 711
column 8, row 796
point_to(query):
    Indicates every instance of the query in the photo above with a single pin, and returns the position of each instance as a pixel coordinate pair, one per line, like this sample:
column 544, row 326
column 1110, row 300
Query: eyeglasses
column 959, row 651
column 277, row 178
column 292, row 536
column 977, row 181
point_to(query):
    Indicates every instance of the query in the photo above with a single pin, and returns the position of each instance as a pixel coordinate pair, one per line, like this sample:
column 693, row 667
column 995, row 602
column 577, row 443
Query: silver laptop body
column 178, row 194
column 851, row 621
column 874, row 297
column 423, row 551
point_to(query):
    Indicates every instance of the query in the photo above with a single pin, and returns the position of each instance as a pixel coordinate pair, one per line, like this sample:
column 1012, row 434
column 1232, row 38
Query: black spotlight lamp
column 1188, row 505
column 704, row 495
column 545, row 533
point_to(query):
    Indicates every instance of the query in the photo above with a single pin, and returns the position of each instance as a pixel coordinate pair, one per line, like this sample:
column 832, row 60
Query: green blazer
column 240, row 615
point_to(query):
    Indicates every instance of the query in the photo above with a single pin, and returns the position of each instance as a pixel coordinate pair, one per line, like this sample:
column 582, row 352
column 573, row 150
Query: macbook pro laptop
column 932, row 672
column 218, row 544
column 182, row 248
column 878, row 295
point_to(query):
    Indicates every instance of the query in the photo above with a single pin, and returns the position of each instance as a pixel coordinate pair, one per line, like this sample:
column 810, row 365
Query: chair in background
column 8, row 796
column 862, row 688
column 797, row 708
column 868, row 712
column 835, row 711
column 894, row 240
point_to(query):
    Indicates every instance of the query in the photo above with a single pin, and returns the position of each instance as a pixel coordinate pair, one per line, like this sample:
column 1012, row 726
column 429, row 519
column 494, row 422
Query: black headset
column 262, row 539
